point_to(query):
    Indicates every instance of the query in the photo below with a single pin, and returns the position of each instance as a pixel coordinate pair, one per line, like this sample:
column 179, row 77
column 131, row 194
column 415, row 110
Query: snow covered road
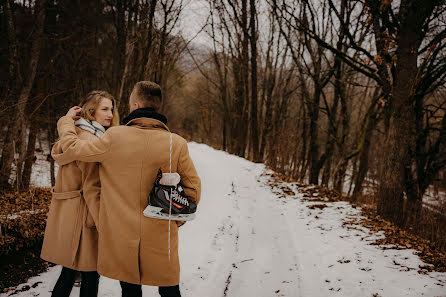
column 250, row 240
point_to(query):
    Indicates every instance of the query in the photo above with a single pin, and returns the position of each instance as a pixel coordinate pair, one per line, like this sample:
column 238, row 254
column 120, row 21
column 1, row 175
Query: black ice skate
column 167, row 200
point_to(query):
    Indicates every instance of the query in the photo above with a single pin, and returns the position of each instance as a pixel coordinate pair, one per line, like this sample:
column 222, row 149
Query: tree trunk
column 158, row 75
column 21, row 149
column 29, row 159
column 245, row 121
column 13, row 75
column 129, row 50
column 268, row 115
column 364, row 158
column 353, row 175
column 254, row 125
column 51, row 138
column 400, row 137
column 223, row 132
column 340, row 96
column 6, row 141
column 303, row 159
column 121, row 40
column 313, row 151
column 237, row 131
column 326, row 174
column 146, row 52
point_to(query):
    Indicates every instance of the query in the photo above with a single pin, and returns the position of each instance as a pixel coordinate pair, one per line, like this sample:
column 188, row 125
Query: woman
column 71, row 236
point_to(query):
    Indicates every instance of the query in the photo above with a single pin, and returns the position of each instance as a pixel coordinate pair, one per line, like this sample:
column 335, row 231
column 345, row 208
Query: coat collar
column 146, row 118
column 146, row 112
column 147, row 123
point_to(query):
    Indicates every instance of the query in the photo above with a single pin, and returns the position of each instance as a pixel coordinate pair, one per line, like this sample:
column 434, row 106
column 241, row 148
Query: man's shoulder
column 178, row 139
column 125, row 130
column 117, row 130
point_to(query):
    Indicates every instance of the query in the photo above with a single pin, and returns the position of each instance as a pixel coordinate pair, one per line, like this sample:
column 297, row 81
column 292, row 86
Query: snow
column 252, row 240
column 20, row 213
column 40, row 173
column 433, row 199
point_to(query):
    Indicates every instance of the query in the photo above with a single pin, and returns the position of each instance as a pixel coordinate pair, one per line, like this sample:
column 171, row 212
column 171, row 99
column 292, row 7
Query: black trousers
column 132, row 290
column 89, row 283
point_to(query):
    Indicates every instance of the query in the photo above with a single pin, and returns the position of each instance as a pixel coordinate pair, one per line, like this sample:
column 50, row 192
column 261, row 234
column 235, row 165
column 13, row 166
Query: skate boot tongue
column 170, row 179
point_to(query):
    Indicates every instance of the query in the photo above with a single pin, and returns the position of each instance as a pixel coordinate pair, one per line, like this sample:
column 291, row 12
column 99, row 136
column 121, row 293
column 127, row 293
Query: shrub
column 22, row 219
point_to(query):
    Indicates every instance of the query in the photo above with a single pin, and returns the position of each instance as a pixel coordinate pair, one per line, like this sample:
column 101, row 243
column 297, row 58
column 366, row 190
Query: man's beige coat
column 134, row 248
column 71, row 238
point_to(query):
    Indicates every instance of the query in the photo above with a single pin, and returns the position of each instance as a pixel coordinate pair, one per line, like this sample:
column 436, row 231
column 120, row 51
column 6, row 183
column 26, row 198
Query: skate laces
column 176, row 196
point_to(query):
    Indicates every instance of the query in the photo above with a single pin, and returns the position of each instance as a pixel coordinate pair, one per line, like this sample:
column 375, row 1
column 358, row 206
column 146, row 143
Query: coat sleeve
column 189, row 178
column 95, row 150
column 91, row 188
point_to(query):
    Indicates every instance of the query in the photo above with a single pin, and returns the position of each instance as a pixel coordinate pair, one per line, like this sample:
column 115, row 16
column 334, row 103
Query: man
column 132, row 248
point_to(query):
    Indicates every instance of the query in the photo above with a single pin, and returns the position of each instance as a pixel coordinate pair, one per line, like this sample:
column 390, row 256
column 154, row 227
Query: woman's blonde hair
column 92, row 101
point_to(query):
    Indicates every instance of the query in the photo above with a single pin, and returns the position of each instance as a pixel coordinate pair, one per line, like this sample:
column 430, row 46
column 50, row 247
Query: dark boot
column 89, row 284
column 130, row 290
column 64, row 283
column 173, row 291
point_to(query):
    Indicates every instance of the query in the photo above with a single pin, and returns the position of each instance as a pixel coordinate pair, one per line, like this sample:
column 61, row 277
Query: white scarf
column 91, row 126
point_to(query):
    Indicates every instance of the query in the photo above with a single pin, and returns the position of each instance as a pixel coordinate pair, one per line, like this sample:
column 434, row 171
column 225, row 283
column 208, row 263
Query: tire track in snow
column 265, row 264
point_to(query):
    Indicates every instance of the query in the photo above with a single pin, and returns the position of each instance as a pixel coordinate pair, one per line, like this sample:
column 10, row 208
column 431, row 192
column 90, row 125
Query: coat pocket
column 89, row 222
column 62, row 233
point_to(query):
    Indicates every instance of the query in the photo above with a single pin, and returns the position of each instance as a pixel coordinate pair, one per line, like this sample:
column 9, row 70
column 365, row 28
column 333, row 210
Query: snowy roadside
column 338, row 252
column 252, row 240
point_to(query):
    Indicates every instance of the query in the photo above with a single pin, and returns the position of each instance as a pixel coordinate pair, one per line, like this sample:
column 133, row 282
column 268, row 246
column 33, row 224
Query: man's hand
column 74, row 113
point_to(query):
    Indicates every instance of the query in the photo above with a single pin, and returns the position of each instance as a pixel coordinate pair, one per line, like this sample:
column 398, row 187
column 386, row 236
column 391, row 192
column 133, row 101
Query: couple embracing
column 96, row 224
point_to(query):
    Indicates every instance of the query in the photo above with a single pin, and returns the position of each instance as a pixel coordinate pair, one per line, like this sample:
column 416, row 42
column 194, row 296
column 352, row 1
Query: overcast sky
column 193, row 19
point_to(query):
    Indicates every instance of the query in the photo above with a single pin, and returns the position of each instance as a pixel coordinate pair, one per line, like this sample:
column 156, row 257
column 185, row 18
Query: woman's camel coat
column 134, row 248
column 71, row 238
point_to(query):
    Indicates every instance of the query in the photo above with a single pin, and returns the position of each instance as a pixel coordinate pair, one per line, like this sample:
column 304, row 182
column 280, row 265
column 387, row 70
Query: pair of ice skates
column 167, row 201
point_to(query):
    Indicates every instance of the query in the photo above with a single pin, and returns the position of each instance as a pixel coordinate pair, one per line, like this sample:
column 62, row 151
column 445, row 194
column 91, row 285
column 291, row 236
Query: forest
column 345, row 94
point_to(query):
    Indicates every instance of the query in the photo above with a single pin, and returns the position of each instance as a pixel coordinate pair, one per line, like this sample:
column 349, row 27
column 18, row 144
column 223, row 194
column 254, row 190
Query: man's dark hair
column 149, row 94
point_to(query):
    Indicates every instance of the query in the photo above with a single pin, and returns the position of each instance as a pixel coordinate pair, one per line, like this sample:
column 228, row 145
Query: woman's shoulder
column 84, row 134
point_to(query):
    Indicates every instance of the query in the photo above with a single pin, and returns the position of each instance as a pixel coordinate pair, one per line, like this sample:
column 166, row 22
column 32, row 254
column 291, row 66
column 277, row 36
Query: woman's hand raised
column 74, row 112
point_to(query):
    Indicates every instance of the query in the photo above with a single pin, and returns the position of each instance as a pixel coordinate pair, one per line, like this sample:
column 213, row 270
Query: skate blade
column 154, row 212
